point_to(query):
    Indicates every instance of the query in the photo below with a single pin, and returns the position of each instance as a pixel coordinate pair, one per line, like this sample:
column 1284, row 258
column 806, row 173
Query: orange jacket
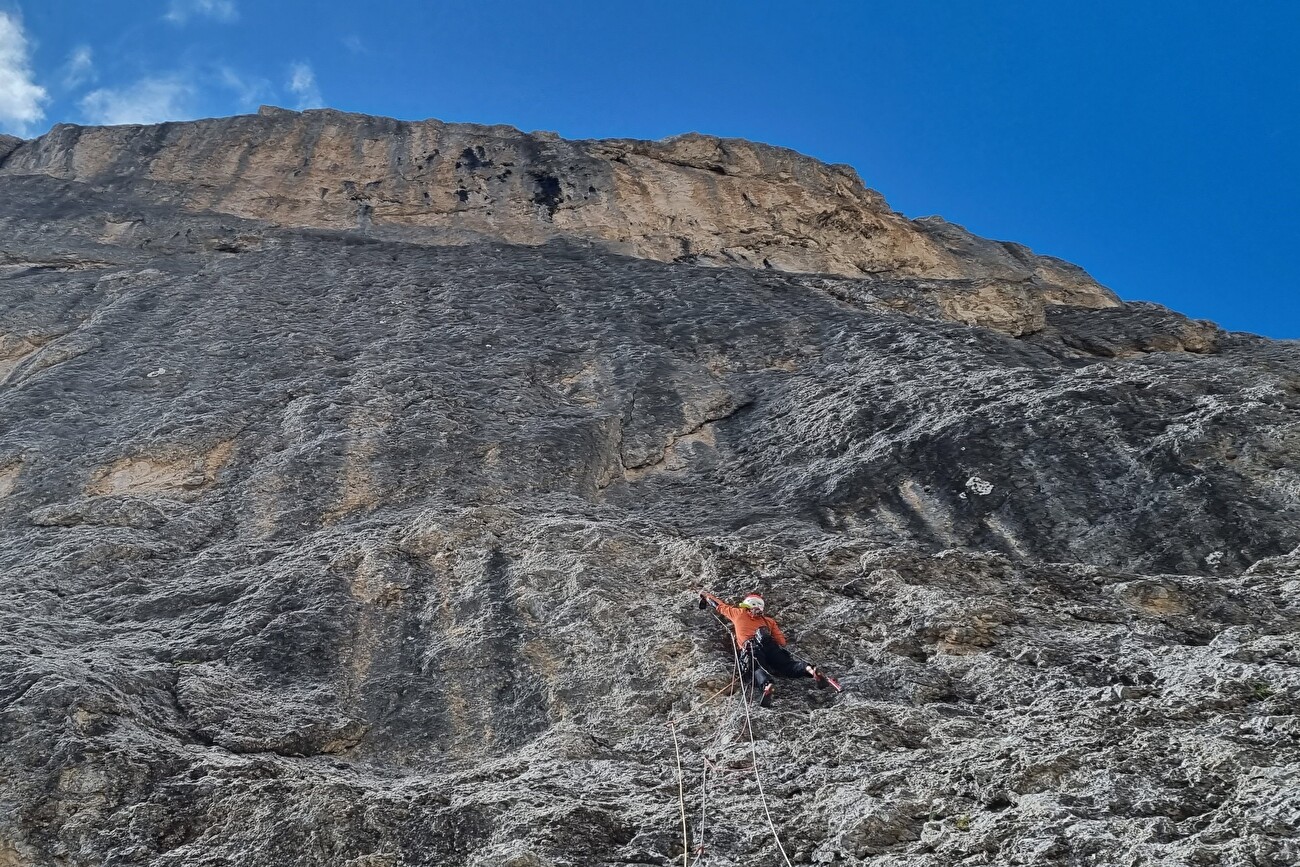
column 746, row 623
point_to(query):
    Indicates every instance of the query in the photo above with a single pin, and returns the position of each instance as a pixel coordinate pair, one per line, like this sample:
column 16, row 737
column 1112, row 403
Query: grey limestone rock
column 339, row 543
column 691, row 198
column 8, row 144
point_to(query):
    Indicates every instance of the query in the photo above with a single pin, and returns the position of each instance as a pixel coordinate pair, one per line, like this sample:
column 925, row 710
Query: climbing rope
column 746, row 697
column 681, row 796
column 701, row 830
column 672, row 722
column 753, row 751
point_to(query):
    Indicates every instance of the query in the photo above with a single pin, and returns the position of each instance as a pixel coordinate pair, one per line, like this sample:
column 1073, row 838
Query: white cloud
column 250, row 92
column 352, row 42
column 20, row 96
column 80, row 68
column 302, row 84
column 181, row 11
column 149, row 100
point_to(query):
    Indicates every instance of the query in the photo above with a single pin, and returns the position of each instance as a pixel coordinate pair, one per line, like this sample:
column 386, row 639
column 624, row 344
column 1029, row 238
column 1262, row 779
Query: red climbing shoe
column 824, row 681
column 768, row 692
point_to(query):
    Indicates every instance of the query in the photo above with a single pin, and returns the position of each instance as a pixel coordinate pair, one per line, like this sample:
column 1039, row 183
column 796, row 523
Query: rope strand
column 709, row 768
column 681, row 796
column 746, row 697
column 702, row 828
column 753, row 750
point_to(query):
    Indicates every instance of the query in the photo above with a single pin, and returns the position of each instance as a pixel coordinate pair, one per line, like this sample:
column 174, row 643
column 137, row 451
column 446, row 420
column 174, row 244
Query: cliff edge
column 690, row 198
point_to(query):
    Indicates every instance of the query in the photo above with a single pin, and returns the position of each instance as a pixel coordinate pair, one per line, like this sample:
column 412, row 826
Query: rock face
column 692, row 198
column 342, row 529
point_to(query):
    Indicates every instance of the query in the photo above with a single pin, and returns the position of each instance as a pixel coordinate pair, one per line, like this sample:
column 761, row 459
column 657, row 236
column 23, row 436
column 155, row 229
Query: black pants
column 761, row 657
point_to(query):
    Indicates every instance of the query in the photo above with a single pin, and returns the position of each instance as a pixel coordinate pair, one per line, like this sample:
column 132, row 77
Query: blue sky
column 1153, row 143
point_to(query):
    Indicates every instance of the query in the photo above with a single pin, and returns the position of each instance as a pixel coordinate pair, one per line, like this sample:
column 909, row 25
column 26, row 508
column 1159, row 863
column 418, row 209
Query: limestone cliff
column 345, row 520
column 692, row 198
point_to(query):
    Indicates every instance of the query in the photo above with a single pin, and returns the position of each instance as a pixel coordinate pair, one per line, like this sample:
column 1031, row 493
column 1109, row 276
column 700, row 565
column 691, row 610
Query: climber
column 761, row 646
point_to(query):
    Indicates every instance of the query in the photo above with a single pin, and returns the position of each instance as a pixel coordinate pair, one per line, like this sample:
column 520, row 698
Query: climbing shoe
column 824, row 681
column 768, row 692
